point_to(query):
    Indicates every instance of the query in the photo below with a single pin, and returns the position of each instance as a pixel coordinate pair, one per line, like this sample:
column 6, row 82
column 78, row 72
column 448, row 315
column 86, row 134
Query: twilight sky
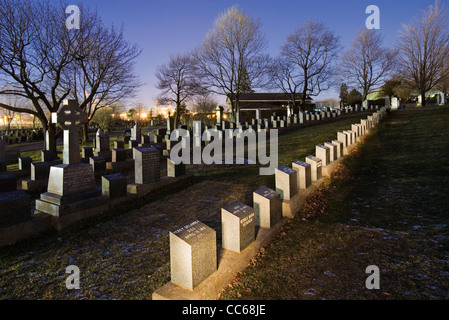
column 164, row 27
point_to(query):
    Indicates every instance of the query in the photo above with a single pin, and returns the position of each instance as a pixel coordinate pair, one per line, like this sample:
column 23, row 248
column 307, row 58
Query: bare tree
column 285, row 76
column 48, row 63
column 205, row 103
column 311, row 51
column 367, row 64
column 424, row 50
column 231, row 58
column 178, row 82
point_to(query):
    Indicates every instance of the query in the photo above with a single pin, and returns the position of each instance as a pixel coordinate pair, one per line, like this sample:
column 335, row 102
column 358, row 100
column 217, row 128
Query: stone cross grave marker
column 70, row 117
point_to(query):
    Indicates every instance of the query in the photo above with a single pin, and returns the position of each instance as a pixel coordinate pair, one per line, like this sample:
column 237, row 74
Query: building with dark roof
column 265, row 104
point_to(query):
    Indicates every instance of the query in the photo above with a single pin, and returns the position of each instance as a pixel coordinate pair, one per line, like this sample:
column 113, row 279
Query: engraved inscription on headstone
column 147, row 165
column 238, row 226
column 304, row 174
column 69, row 179
column 316, row 167
column 193, row 254
column 286, row 182
column 267, row 207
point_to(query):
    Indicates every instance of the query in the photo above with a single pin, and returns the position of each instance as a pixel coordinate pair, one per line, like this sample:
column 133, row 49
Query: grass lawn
column 387, row 205
column 124, row 254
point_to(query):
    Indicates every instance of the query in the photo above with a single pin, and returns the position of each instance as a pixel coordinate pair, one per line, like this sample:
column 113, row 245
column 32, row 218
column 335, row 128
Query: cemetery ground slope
column 386, row 205
column 124, row 254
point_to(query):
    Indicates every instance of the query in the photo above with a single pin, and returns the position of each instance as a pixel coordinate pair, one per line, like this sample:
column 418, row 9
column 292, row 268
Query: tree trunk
column 176, row 115
column 423, row 99
column 236, row 111
column 85, row 132
column 50, row 141
column 304, row 94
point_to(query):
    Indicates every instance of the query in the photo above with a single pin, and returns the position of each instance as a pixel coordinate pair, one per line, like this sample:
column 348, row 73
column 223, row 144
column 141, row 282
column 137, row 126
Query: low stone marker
column 267, row 207
column 342, row 137
column 238, row 226
column 147, row 165
column 118, row 155
column 113, row 186
column 286, row 181
column 98, row 163
column 175, row 170
column 87, row 152
column 332, row 151
column 356, row 128
column 339, row 146
column 40, row 170
column 119, row 144
column 322, row 153
column 316, row 167
column 304, row 174
column 349, row 137
column 48, row 155
column 352, row 136
column 193, row 254
column 25, row 164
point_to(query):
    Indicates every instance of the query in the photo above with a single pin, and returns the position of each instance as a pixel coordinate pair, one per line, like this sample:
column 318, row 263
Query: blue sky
column 165, row 27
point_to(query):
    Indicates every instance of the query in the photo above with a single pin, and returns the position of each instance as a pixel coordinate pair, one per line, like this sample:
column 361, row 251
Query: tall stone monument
column 72, row 183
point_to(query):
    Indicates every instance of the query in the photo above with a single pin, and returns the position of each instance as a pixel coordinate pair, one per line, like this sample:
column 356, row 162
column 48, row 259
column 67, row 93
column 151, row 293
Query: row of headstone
column 193, row 247
column 14, row 136
column 193, row 253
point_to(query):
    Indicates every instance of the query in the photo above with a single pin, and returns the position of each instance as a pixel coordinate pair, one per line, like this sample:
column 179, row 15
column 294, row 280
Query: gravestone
column 87, row 152
column 98, row 163
column 48, row 156
column 332, row 151
column 147, row 165
column 102, row 146
column 304, row 174
column 175, row 170
column 323, row 153
column 267, row 207
column 316, row 167
column 351, row 136
column 25, row 164
column 357, row 128
column 286, row 180
column 238, row 225
column 136, row 133
column 145, row 141
column 339, row 146
column 70, row 182
column 15, row 207
column 113, row 186
column 132, row 144
column 118, row 144
column 342, row 137
column 40, row 170
column 193, row 254
column 118, row 155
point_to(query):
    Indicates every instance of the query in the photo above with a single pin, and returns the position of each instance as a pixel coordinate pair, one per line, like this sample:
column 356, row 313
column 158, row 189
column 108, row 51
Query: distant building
column 265, row 104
